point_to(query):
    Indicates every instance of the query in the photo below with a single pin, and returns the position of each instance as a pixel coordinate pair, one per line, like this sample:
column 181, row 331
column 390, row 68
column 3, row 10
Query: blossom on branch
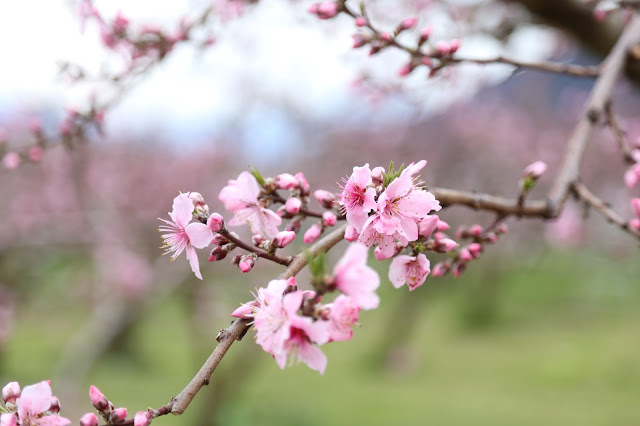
column 412, row 270
column 33, row 408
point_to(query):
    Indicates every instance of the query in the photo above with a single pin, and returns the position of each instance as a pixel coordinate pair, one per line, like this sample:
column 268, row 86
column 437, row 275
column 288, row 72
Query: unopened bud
column 443, row 47
column 327, row 9
column 490, row 237
column 635, row 205
column 119, row 415
column 634, row 224
column 11, row 160
column 476, row 230
column 220, row 240
column 293, row 205
column 407, row 24
column 257, row 239
column 350, row 234
column 215, row 222
column 535, row 170
column 284, row 238
column 293, row 226
column 361, row 21
column 475, row 249
column 442, row 225
column 142, row 418
column 454, row 45
column 329, row 218
column 89, row 419
column 286, row 181
column 198, row 200
column 325, row 198
column 218, row 253
column 502, row 228
column 425, row 33
column 465, row 254
column 385, row 36
column 445, row 245
column 312, row 234
column 11, row 392
column 55, row 405
column 360, row 40
column 377, row 177
column 458, row 268
column 246, row 263
column 98, row 399
column 440, row 269
column 302, row 183
column 236, row 259
column 245, row 310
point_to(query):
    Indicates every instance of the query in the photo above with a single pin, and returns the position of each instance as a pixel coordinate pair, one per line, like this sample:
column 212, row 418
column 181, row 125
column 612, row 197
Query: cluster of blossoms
column 33, row 405
column 291, row 323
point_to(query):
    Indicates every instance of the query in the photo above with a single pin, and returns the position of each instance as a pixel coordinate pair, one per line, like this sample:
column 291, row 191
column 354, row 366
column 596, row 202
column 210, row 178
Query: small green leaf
column 256, row 174
column 316, row 268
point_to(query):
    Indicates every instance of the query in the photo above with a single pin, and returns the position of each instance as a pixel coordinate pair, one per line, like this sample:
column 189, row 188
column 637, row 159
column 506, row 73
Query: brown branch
column 501, row 205
column 261, row 253
column 619, row 134
column 583, row 193
column 600, row 96
column 570, row 69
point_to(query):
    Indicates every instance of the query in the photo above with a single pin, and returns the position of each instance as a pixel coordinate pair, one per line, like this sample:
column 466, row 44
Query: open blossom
column 400, row 207
column 357, row 198
column 343, row 314
column 285, row 334
column 241, row 197
column 180, row 235
column 355, row 279
column 412, row 270
column 33, row 408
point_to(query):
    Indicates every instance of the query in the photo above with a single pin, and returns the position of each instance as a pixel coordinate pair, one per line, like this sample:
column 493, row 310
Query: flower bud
column 476, row 230
column 465, row 254
column 325, row 198
column 142, row 418
column 377, row 177
column 8, row 419
column 119, row 415
column 329, row 218
column 440, row 269
column 635, row 205
column 458, row 269
column 475, row 249
column 490, row 237
column 502, row 228
column 197, row 198
column 407, row 24
column 312, row 234
column 35, row 153
column 445, row 245
column 11, row 160
column 55, row 405
column 246, row 263
column 428, row 225
column 286, row 181
column 220, row 240
column 89, row 419
column 258, row 239
column 293, row 205
column 634, row 224
column 350, row 234
column 442, row 225
column 360, row 40
column 245, row 310
column 11, row 392
column 302, row 183
column 218, row 253
column 98, row 399
column 425, row 33
column 385, row 36
column 361, row 21
column 443, row 47
column 327, row 9
column 454, row 45
column 284, row 238
column 535, row 170
column 215, row 222
column 293, row 226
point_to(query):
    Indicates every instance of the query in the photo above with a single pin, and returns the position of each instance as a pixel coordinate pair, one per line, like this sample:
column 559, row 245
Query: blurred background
column 543, row 329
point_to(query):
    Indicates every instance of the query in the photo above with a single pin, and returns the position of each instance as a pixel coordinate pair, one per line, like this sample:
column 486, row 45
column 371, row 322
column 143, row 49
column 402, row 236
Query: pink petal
column 53, row 421
column 397, row 270
column 182, row 210
column 199, row 234
column 361, row 175
column 34, row 400
column 7, row 419
column 313, row 357
column 192, row 257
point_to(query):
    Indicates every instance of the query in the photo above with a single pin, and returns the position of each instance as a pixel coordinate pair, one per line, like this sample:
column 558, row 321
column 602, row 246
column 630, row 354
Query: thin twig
column 261, row 253
column 619, row 134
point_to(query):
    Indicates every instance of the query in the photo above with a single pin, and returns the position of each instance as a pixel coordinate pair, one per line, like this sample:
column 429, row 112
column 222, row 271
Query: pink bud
column 119, row 415
column 407, row 24
column 361, row 21
column 219, row 240
column 405, row 70
column 257, row 239
column 286, row 181
column 454, row 45
column 327, row 9
column 360, row 40
column 11, row 160
column 475, row 249
column 502, row 228
column 385, row 36
column 428, row 225
column 245, row 310
column 426, row 61
column 440, row 269
column 293, row 205
column 445, row 245
column 631, row 177
column 293, row 226
column 476, row 230
column 350, row 234
column 490, row 237
column 302, row 183
column 35, row 153
column 635, row 205
column 462, row 232
column 215, row 222
column 89, row 419
column 142, row 418
column 98, row 399
column 325, row 198
column 443, row 47
column 425, row 33
column 465, row 254
column 377, row 175
column 197, row 198
column 246, row 264
column 11, row 392
column 284, row 238
column 55, row 405
column 120, row 23
column 635, row 224
column 9, row 419
column 218, row 253
column 442, row 225
column 312, row 234
column 378, row 254
column 329, row 218
column 458, row 269
column 535, row 170
column 314, row 8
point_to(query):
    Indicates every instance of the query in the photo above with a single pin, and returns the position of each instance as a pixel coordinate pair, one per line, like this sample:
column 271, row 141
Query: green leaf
column 316, row 268
column 256, row 174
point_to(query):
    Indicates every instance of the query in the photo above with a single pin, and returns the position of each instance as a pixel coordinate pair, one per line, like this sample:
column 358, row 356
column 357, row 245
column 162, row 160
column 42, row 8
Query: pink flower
column 355, row 279
column 34, row 401
column 428, row 225
column 400, row 207
column 312, row 234
column 283, row 333
column 11, row 160
column 89, row 419
column 412, row 270
column 357, row 198
column 350, row 234
column 241, row 197
column 632, row 176
column 635, row 205
column 180, row 235
column 343, row 314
